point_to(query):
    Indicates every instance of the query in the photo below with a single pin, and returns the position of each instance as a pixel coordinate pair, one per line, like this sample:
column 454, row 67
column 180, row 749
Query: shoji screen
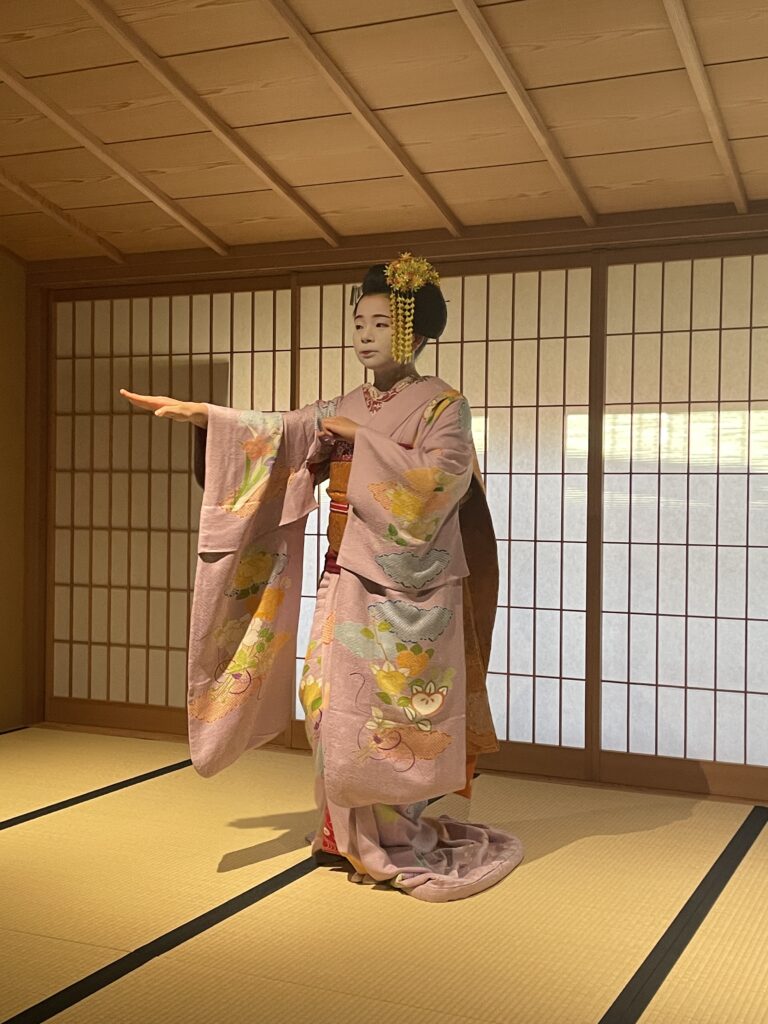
column 685, row 582
column 328, row 367
column 517, row 345
column 126, row 505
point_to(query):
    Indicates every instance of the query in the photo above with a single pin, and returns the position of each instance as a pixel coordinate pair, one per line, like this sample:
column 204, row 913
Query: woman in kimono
column 393, row 684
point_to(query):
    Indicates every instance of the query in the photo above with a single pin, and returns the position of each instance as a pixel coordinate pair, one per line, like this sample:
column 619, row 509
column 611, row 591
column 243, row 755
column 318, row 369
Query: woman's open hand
column 338, row 426
column 171, row 408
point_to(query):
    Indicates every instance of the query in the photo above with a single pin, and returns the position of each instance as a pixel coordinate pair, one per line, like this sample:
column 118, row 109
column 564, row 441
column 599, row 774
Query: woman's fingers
column 150, row 402
column 169, row 408
column 183, row 411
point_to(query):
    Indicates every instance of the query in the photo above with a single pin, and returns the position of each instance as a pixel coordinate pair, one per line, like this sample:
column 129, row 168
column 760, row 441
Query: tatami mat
column 42, row 766
column 118, row 871
column 722, row 975
column 606, row 871
column 34, row 966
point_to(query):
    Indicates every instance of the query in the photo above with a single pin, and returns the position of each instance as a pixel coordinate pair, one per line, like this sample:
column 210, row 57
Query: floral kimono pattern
column 393, row 685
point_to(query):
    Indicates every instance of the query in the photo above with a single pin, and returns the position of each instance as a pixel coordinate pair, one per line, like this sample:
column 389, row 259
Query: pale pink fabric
column 436, row 859
column 391, row 732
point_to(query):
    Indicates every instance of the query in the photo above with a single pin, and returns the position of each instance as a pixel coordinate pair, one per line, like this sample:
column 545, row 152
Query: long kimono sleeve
column 257, row 494
column 403, row 529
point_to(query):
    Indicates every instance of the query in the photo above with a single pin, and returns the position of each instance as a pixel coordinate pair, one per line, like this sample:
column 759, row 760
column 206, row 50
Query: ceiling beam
column 61, row 216
column 514, row 88
column 67, row 123
column 101, row 12
column 363, row 114
column 686, row 232
column 697, row 73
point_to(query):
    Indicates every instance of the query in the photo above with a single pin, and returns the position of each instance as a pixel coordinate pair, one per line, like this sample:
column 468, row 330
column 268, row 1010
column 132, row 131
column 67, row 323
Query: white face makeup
column 372, row 336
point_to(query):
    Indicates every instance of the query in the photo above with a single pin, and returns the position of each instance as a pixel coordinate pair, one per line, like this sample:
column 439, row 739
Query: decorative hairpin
column 405, row 276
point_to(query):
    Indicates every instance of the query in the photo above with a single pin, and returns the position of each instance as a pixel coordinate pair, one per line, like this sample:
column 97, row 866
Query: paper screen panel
column 685, row 584
column 126, row 502
column 517, row 345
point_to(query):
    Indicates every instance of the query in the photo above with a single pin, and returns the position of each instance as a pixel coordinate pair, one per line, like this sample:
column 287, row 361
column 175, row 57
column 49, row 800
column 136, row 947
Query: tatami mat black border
column 116, row 970
column 19, row 819
column 649, row 977
column 627, row 1008
column 16, row 728
column 71, row 801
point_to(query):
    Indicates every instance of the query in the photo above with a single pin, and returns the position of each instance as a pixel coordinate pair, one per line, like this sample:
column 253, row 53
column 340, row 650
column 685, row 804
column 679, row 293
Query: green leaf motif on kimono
column 399, row 646
column 416, row 648
column 384, row 627
column 392, row 530
column 367, row 633
column 424, row 724
column 316, row 703
column 384, row 697
column 404, row 702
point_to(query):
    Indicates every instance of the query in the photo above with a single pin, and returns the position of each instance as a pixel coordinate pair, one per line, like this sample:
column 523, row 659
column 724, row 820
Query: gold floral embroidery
column 411, row 687
column 260, row 452
column 416, row 502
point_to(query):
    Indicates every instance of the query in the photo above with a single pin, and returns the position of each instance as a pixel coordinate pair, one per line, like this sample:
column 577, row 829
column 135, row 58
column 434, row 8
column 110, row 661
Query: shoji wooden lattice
column 517, row 345
column 685, row 580
column 126, row 506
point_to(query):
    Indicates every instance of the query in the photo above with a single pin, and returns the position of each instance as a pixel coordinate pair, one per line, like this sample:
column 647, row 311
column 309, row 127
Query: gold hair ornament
column 405, row 276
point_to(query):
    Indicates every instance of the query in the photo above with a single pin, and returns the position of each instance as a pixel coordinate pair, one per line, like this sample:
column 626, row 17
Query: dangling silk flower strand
column 405, row 276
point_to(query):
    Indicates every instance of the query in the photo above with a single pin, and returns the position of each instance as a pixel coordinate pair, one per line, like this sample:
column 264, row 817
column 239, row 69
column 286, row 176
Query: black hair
column 430, row 313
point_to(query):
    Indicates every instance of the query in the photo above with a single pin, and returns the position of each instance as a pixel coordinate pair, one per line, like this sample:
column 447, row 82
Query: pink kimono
column 393, row 686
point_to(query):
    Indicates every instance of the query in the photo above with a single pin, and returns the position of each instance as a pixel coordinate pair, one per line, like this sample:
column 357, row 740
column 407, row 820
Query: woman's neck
column 385, row 379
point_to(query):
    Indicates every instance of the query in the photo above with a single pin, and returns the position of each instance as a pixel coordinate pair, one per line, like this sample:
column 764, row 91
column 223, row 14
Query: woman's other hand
column 339, row 426
column 170, row 408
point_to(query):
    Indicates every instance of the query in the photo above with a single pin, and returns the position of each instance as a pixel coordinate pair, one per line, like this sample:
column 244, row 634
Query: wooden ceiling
column 138, row 126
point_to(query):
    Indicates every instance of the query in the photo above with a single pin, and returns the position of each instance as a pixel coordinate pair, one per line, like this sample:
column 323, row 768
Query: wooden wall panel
column 736, row 30
column 71, row 178
column 258, row 84
column 189, row 25
column 119, row 103
column 493, row 195
column 685, row 175
column 249, row 217
column 195, row 164
column 364, row 207
column 332, row 15
column 424, row 60
column 742, row 95
column 10, row 203
column 33, row 236
column 584, row 41
column 24, row 130
column 637, row 112
column 138, row 227
column 50, row 36
column 752, row 157
column 472, row 132
column 319, row 150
